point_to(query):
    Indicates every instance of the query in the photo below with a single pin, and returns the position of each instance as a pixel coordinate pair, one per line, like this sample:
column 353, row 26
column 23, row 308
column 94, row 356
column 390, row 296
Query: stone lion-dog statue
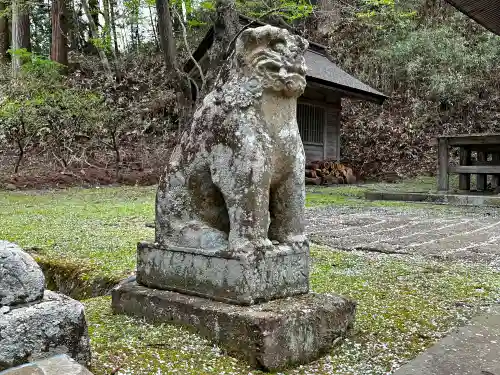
column 236, row 179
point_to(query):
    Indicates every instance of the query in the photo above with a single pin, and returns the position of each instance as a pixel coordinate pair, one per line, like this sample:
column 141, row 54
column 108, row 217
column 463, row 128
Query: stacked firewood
column 326, row 172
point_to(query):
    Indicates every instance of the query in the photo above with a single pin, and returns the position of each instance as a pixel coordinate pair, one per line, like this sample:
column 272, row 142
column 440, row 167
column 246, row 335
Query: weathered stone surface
column 21, row 279
column 57, row 365
column 55, row 325
column 242, row 278
column 271, row 335
column 235, row 182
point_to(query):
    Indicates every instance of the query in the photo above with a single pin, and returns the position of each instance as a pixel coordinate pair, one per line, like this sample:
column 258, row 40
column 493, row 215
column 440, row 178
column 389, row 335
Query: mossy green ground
column 405, row 303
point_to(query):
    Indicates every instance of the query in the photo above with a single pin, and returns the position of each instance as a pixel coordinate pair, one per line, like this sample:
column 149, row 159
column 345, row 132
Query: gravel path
column 472, row 235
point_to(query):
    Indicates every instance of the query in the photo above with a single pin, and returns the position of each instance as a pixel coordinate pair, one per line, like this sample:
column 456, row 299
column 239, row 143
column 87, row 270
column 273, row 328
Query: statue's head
column 275, row 57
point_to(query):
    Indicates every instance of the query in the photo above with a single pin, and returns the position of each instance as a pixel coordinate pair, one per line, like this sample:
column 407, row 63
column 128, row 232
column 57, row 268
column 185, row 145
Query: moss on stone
column 89, row 235
column 77, row 279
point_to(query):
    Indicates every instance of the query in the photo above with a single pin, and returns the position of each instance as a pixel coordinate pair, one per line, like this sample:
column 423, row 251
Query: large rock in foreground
column 57, row 365
column 271, row 336
column 55, row 325
column 21, row 279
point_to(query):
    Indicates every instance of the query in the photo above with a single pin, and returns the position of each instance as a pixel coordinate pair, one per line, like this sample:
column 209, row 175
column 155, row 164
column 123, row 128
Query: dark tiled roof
column 484, row 12
column 320, row 68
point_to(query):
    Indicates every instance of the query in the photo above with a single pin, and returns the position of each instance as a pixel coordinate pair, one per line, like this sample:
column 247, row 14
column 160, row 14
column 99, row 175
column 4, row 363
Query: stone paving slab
column 443, row 234
column 472, row 350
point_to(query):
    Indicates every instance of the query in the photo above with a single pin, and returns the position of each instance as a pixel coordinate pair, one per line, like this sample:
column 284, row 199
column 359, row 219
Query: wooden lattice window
column 311, row 120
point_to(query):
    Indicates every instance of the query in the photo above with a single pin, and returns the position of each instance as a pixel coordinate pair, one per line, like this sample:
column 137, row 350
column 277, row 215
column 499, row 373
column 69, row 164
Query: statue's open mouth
column 287, row 77
column 294, row 83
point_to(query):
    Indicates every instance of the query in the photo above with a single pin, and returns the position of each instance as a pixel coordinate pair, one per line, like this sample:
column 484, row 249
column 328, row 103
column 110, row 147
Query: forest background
column 94, row 92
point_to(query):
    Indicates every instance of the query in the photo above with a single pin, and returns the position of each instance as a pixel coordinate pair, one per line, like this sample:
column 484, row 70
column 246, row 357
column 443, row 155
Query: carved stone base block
column 271, row 335
column 243, row 279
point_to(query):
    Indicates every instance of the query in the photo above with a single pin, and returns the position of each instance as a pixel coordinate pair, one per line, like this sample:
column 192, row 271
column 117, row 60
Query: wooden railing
column 487, row 147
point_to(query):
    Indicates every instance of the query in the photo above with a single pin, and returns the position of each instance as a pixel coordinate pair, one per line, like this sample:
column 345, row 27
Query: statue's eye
column 279, row 47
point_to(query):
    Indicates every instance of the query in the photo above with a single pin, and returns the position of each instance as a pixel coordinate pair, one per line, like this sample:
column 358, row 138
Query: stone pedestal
column 271, row 335
column 254, row 305
column 244, row 278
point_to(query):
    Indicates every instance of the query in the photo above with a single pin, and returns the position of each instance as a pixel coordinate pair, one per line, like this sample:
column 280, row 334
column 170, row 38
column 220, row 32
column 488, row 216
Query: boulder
column 34, row 331
column 21, row 278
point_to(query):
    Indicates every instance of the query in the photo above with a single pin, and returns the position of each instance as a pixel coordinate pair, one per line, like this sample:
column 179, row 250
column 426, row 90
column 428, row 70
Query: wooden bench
column 485, row 145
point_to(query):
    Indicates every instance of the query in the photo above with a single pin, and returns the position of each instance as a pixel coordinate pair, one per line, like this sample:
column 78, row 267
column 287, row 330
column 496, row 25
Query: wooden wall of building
column 331, row 102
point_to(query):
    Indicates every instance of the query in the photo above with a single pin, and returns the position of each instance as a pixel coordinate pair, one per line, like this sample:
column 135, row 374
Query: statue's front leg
column 244, row 181
column 287, row 204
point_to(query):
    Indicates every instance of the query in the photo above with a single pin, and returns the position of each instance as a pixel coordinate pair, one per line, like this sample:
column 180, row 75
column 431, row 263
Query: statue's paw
column 299, row 240
column 245, row 245
column 240, row 245
column 264, row 245
column 198, row 235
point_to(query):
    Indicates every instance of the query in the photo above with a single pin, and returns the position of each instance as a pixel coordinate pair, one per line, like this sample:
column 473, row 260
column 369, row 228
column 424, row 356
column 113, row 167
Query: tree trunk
column 226, row 27
column 20, row 32
column 179, row 80
column 132, row 34
column 106, row 34
column 73, row 26
column 112, row 7
column 95, row 35
column 166, row 35
column 93, row 6
column 59, row 46
column 153, row 27
column 137, row 35
column 4, row 34
column 329, row 16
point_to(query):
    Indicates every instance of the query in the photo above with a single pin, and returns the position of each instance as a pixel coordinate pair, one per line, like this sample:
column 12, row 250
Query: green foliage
column 288, row 10
column 401, row 45
column 39, row 109
column 385, row 15
column 41, row 28
column 102, row 43
column 404, row 303
column 440, row 62
column 439, row 68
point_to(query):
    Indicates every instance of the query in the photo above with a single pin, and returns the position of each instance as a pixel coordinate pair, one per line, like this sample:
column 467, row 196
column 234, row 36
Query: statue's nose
column 296, row 66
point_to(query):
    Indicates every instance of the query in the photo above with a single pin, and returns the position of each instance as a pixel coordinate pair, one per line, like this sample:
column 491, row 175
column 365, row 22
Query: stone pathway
column 471, row 350
column 440, row 234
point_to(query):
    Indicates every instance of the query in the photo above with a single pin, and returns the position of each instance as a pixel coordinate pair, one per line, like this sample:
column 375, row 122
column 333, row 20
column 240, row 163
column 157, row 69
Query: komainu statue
column 230, row 258
column 236, row 179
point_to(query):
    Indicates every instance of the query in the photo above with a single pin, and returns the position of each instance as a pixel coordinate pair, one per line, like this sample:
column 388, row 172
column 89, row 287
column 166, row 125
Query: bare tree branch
column 188, row 49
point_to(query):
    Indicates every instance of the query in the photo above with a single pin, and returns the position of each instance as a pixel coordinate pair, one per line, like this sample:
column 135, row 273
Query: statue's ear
column 246, row 39
column 302, row 43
